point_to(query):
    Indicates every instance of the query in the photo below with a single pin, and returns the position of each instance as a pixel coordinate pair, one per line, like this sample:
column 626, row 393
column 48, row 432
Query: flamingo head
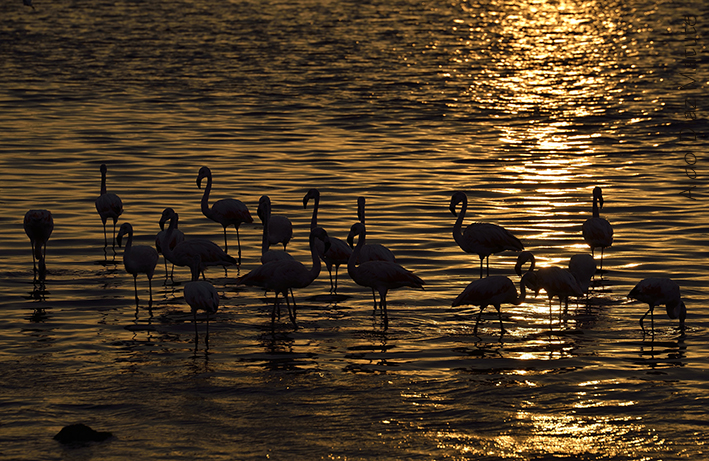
column 104, row 169
column 598, row 196
column 126, row 228
column 356, row 229
column 204, row 172
column 522, row 259
column 360, row 209
column 312, row 194
column 167, row 215
column 456, row 199
column 264, row 208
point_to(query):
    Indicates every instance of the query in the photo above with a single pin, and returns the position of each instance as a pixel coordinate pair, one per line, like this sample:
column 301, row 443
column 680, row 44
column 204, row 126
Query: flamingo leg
column 226, row 245
column 488, row 264
column 238, row 244
column 150, row 287
column 480, row 313
column 336, row 269
column 481, row 266
column 375, row 300
column 649, row 311
column 499, row 316
column 383, row 307
column 135, row 285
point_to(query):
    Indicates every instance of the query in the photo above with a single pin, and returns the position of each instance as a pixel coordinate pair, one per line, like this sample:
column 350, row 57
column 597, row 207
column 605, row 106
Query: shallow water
column 524, row 106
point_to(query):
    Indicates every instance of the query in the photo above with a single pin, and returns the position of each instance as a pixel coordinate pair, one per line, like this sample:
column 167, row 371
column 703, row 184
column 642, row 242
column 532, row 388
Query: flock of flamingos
column 369, row 265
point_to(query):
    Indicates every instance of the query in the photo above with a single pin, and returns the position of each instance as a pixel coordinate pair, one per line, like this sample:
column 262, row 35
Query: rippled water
column 526, row 106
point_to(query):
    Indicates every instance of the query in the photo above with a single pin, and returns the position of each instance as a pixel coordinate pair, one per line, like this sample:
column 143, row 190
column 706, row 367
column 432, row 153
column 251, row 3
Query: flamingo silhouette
column 338, row 253
column 280, row 276
column 226, row 212
column 371, row 251
column 38, row 227
column 108, row 205
column 138, row 259
column 197, row 253
column 482, row 239
column 493, row 290
column 583, row 267
column 656, row 291
column 176, row 236
column 201, row 295
column 554, row 280
column 380, row 276
column 597, row 231
column 264, row 213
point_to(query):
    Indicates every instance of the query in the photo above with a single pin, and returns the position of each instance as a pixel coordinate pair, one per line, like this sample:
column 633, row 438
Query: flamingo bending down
column 338, row 253
column 283, row 275
column 597, row 231
column 138, row 259
column 161, row 241
column 108, row 205
column 196, row 254
column 482, row 239
column 554, row 280
column 655, row 291
column 201, row 295
column 583, row 267
column 372, row 251
column 380, row 276
column 493, row 290
column 226, row 212
column 264, row 213
column 38, row 227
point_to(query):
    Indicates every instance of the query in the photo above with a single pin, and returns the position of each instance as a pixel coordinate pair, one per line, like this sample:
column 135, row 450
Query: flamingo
column 194, row 253
column 338, row 253
column 161, row 241
column 554, row 280
column 381, row 276
column 264, row 213
column 583, row 267
column 493, row 290
column 482, row 239
column 226, row 211
column 138, row 259
column 201, row 295
column 660, row 290
column 372, row 251
column 597, row 231
column 38, row 227
column 108, row 205
column 283, row 275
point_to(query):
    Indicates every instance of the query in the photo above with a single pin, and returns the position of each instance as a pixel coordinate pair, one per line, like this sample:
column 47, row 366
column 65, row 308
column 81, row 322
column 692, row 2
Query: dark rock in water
column 80, row 433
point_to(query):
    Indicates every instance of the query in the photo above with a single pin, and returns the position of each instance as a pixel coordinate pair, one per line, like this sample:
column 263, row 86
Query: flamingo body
column 283, row 275
column 338, row 253
column 597, row 231
column 371, row 251
column 482, row 239
column 380, row 276
column 227, row 212
column 656, row 291
column 108, row 205
column 196, row 254
column 201, row 295
column 494, row 291
column 137, row 259
column 39, row 225
column 583, row 267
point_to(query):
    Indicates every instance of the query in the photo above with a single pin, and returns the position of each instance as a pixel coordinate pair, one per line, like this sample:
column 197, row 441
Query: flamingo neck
column 360, row 209
column 314, row 219
column 167, row 250
column 315, row 270
column 596, row 213
column 354, row 257
column 266, row 218
column 103, row 183
column 522, row 289
column 458, row 226
column 205, row 197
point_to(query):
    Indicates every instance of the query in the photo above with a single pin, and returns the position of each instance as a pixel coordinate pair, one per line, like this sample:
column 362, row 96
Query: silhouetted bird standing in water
column 597, row 231
column 38, row 227
column 108, row 205
column 161, row 241
column 656, row 291
column 138, row 259
column 226, row 212
column 478, row 238
column 338, row 253
column 380, row 276
column 201, row 295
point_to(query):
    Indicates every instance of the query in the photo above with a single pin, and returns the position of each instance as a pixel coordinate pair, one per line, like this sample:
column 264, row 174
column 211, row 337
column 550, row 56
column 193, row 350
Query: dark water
column 526, row 106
